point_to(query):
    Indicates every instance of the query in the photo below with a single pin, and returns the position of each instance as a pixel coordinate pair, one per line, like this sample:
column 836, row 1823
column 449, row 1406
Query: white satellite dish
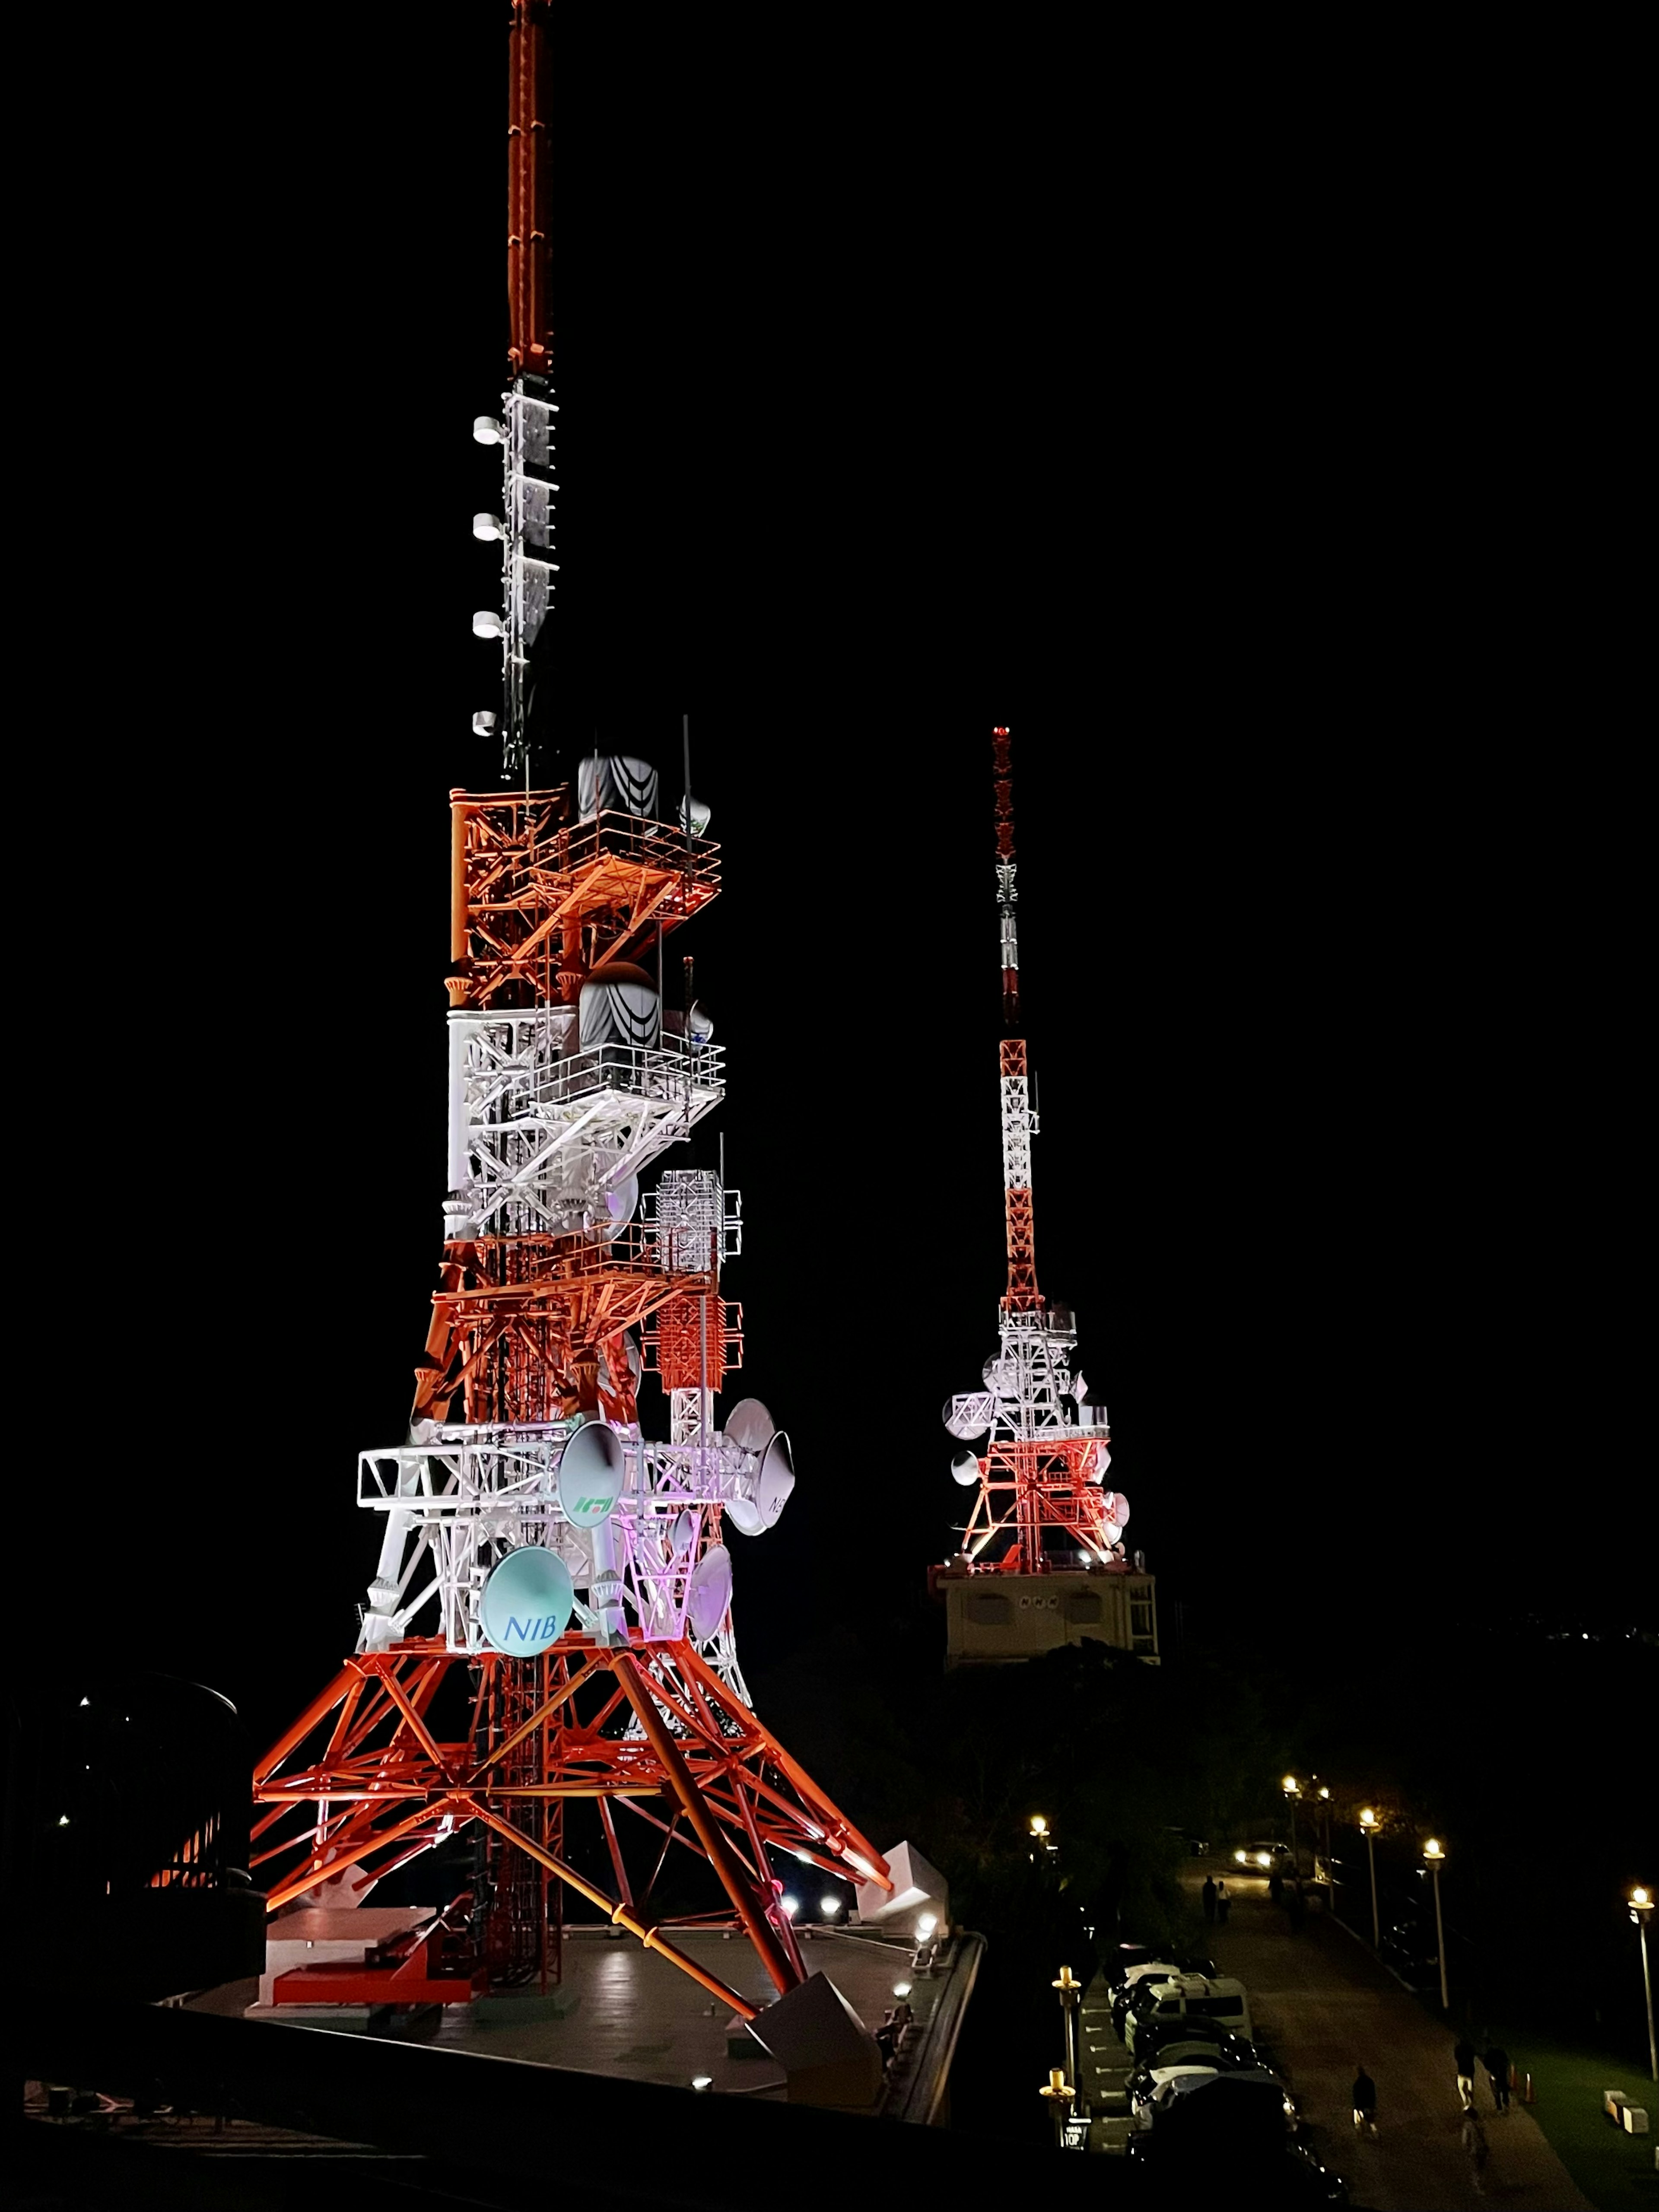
column 709, row 1591
column 1103, row 1461
column 775, row 1480
column 1115, row 1506
column 964, row 1468
column 968, row 1414
column 684, row 1532
column 750, row 1425
column 621, row 1200
column 745, row 1516
column 591, row 1475
column 526, row 1603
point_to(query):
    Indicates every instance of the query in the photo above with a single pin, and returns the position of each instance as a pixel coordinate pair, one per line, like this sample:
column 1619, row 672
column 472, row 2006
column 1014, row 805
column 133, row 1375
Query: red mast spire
column 1023, row 1295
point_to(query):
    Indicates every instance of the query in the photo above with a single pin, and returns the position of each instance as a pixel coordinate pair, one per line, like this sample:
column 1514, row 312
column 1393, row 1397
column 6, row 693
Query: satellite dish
column 621, row 1201
column 750, row 1425
column 775, row 1480
column 968, row 1415
column 591, row 1475
column 1103, row 1461
column 710, row 1592
column 684, row 1534
column 702, row 1028
column 745, row 1515
column 992, row 1371
column 964, row 1468
column 1116, row 1506
column 526, row 1603
column 694, row 815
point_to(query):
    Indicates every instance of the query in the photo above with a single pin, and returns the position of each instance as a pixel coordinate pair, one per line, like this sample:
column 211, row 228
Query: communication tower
column 548, row 1631
column 1042, row 1559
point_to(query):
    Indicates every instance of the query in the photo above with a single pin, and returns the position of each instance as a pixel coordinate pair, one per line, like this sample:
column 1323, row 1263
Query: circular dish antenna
column 694, row 815
column 526, row 1603
column 964, row 1468
column 684, row 1534
column 750, row 1425
column 968, row 1415
column 709, row 1591
column 621, row 1202
column 591, row 1475
column 1103, row 1461
column 1115, row 1506
column 775, row 1480
column 745, row 1516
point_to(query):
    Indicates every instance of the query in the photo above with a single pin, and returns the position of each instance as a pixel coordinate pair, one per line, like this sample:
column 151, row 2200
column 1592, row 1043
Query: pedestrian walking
column 1364, row 2103
column 1496, row 2063
column 1476, row 2149
column 1208, row 1895
column 1224, row 1901
column 1463, row 2059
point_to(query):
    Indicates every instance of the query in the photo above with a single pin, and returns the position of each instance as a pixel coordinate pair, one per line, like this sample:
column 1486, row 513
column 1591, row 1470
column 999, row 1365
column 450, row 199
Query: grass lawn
column 1615, row 2170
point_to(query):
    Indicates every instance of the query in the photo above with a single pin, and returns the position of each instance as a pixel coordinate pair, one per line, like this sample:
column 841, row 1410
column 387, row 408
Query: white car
column 1161, row 2090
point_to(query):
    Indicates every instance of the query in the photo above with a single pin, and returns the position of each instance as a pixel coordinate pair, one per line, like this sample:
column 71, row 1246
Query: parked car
column 1267, row 2092
column 1161, row 2083
column 1215, row 2052
column 1289, row 2175
column 1161, row 1970
column 1161, row 2035
column 1220, row 1997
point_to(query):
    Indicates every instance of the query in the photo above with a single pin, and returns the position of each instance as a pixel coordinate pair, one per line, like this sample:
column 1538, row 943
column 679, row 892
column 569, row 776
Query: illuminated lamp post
column 1070, row 1990
column 1325, row 1832
column 1368, row 1825
column 1060, row 2093
column 1435, row 1858
column 1641, row 1903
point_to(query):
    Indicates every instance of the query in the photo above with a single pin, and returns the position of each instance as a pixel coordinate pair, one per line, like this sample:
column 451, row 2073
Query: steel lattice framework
column 1040, row 1498
column 568, row 1078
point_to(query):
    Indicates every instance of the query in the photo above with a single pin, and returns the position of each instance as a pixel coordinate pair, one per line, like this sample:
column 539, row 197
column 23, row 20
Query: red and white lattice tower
column 548, row 1634
column 1042, row 1506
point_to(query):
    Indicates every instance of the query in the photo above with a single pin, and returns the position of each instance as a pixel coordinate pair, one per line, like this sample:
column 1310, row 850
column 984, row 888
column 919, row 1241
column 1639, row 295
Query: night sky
column 884, row 420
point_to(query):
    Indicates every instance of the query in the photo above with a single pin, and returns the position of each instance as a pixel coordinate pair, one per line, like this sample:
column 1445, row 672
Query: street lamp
column 1641, row 1903
column 1292, row 1790
column 1060, row 2093
column 1368, row 1825
column 1436, row 1858
column 1070, row 1990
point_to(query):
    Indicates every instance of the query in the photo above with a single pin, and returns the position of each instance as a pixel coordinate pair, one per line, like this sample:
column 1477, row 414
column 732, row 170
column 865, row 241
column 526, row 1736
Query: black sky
column 1280, row 522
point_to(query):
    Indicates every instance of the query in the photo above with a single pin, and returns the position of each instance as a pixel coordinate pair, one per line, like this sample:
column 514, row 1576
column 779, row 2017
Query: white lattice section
column 459, row 1501
column 540, row 1134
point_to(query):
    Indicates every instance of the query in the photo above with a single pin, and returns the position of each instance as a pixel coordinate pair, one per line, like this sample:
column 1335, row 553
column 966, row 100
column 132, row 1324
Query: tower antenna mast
column 1042, row 1512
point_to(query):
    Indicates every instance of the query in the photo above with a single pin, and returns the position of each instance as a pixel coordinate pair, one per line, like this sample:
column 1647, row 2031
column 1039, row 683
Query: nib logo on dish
column 526, row 1602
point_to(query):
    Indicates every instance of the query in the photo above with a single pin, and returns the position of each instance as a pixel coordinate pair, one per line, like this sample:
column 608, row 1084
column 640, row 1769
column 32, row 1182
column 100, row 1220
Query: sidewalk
column 1322, row 2004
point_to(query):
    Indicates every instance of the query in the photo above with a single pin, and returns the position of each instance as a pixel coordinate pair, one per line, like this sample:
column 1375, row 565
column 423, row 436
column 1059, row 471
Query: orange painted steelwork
column 364, row 1774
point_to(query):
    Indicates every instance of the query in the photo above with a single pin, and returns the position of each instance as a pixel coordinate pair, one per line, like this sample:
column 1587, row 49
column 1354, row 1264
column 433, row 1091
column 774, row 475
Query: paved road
column 1323, row 2003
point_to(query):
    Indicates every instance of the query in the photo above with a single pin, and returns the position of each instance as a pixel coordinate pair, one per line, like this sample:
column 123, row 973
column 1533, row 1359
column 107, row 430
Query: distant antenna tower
column 1042, row 1512
column 548, row 1636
